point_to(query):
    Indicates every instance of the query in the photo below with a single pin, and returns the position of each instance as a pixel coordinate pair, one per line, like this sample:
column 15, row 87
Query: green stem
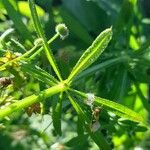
column 39, row 50
column 40, row 32
column 29, row 52
column 78, row 92
column 26, row 102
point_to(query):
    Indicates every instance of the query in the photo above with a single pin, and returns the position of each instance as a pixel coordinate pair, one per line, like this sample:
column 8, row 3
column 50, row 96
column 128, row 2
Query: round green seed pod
column 62, row 30
column 38, row 42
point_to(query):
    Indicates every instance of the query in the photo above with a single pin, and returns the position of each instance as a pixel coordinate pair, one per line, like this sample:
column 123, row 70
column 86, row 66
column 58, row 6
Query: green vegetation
column 95, row 99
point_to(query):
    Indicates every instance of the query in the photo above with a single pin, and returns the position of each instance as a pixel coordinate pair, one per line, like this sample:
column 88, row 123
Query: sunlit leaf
column 39, row 74
column 25, row 10
column 118, row 109
column 92, row 53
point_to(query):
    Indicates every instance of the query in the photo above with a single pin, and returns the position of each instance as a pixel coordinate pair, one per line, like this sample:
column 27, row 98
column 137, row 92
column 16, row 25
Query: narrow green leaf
column 17, row 20
column 99, row 139
column 92, row 53
column 18, row 46
column 80, row 125
column 76, row 107
column 40, row 32
column 76, row 141
column 144, row 101
column 57, row 115
column 118, row 109
column 75, row 27
column 39, row 74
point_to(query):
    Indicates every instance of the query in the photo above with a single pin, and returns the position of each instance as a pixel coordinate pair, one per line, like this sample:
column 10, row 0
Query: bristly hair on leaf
column 92, row 53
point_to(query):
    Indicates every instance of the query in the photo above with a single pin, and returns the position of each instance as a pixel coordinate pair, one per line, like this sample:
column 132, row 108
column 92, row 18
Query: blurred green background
column 121, row 74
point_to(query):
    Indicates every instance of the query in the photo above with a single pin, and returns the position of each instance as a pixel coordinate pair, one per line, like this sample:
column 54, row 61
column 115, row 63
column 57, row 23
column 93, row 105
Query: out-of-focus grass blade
column 99, row 139
column 102, row 65
column 39, row 74
column 75, row 27
column 119, row 84
column 18, row 46
column 78, row 140
column 17, row 20
column 92, row 53
column 80, row 125
column 40, row 32
column 25, row 10
column 145, row 102
column 57, row 110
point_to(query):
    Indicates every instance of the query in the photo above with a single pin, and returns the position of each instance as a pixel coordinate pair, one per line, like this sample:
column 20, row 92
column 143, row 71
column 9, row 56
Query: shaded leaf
column 76, row 28
column 78, row 140
column 99, row 139
column 93, row 69
column 80, row 125
column 57, row 110
column 39, row 74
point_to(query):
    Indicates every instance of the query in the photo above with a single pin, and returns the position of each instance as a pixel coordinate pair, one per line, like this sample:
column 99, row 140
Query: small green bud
column 62, row 30
column 38, row 42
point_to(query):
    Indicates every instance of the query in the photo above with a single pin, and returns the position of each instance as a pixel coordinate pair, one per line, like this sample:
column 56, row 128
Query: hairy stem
column 41, row 34
column 26, row 102
column 39, row 50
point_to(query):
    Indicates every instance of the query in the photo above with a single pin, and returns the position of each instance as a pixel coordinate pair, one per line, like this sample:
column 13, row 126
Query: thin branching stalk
column 41, row 34
column 40, row 50
column 29, row 52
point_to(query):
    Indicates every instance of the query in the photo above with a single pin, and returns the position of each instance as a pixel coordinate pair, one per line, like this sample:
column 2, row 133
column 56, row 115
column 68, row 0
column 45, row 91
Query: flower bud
column 38, row 42
column 62, row 30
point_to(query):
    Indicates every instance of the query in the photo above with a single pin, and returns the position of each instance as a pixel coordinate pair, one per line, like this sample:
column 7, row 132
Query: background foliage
column 122, row 73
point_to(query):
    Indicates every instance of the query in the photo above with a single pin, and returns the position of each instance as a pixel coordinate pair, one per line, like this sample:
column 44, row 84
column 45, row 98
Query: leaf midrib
column 75, row 70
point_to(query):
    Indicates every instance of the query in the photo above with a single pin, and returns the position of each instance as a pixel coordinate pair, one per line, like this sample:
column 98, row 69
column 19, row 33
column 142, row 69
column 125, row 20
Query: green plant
column 65, row 87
